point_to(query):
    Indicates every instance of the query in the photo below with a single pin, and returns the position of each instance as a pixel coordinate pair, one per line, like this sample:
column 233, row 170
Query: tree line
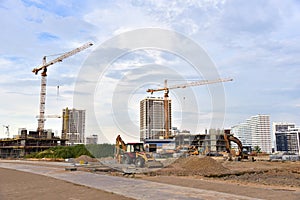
column 92, row 150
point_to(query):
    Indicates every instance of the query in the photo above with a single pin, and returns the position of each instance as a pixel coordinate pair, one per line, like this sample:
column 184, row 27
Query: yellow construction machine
column 228, row 137
column 187, row 150
column 134, row 153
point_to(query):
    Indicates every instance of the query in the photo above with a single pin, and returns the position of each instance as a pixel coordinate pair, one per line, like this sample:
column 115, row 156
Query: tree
column 257, row 149
column 101, row 150
column 62, row 152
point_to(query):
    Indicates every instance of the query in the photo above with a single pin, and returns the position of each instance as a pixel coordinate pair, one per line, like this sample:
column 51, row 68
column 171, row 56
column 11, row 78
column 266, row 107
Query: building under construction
column 152, row 118
column 212, row 141
column 73, row 126
column 25, row 144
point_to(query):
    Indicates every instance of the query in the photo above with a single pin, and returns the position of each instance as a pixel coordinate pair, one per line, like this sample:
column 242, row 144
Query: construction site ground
column 192, row 178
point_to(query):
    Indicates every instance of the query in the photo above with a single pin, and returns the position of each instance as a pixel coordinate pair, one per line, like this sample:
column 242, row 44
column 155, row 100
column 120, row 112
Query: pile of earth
column 85, row 159
column 194, row 165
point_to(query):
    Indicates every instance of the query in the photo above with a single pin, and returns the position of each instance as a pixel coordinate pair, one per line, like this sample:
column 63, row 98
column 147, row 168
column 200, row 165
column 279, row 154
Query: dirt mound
column 194, row 165
column 85, row 159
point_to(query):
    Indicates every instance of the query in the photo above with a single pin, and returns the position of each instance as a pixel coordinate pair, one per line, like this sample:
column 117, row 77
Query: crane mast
column 166, row 96
column 166, row 110
column 45, row 65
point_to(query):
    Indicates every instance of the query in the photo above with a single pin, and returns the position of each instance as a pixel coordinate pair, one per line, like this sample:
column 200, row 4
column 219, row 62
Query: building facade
column 93, row 139
column 261, row 133
column 255, row 132
column 152, row 118
column 288, row 140
column 280, row 127
column 242, row 131
column 73, row 125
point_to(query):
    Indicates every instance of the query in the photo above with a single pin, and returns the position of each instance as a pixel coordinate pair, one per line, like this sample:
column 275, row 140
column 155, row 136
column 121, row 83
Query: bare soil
column 17, row 185
column 193, row 165
column 260, row 179
column 260, row 172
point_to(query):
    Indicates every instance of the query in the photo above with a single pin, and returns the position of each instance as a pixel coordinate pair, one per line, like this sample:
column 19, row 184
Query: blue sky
column 254, row 42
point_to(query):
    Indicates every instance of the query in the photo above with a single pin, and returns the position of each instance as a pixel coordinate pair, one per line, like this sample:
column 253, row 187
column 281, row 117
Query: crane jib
column 60, row 58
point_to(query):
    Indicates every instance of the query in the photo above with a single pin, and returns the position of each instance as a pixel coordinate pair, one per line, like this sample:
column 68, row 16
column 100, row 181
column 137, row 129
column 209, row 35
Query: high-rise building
column 280, row 127
column 288, row 140
column 152, row 118
column 242, row 131
column 255, row 132
column 261, row 133
column 73, row 125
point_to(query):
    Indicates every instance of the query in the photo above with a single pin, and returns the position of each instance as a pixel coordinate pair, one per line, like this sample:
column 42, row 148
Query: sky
column 254, row 42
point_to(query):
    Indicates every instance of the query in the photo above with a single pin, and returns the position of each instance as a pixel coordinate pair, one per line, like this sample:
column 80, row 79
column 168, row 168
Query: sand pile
column 194, row 165
column 85, row 159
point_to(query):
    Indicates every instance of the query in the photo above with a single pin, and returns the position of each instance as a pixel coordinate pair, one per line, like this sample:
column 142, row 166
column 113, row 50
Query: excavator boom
column 230, row 138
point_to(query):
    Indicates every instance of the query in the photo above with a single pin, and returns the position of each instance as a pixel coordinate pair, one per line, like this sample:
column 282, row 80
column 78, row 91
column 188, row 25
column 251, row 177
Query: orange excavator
column 134, row 153
column 228, row 137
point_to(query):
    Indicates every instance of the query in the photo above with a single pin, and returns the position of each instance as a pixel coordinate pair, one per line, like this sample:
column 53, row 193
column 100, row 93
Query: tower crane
column 166, row 96
column 43, row 68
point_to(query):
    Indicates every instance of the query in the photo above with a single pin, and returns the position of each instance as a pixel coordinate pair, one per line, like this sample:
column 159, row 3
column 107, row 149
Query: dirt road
column 263, row 180
column 254, row 191
column 17, row 185
column 129, row 187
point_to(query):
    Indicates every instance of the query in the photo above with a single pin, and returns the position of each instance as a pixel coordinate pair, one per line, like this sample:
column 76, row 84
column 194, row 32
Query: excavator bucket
column 153, row 164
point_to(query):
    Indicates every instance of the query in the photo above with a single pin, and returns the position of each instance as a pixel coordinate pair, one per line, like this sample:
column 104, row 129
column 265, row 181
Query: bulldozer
column 134, row 153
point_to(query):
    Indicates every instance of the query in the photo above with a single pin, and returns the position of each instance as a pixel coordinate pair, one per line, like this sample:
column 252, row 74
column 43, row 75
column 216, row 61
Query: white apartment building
column 255, row 132
column 261, row 133
column 152, row 118
column 242, row 131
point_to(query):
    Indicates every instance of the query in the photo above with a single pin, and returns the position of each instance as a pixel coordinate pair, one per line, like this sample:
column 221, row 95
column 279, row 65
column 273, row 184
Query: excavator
column 187, row 150
column 134, row 153
column 228, row 137
column 193, row 151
